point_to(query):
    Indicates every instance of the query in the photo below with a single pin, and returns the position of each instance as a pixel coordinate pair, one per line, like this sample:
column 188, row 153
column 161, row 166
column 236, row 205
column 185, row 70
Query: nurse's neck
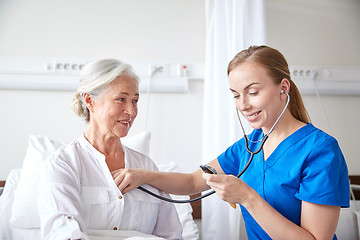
column 286, row 126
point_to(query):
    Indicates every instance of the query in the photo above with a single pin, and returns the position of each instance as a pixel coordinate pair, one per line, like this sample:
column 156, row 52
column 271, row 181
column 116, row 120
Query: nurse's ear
column 89, row 101
column 285, row 88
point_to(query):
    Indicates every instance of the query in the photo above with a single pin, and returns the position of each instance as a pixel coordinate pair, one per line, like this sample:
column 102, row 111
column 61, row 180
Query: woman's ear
column 89, row 101
column 285, row 85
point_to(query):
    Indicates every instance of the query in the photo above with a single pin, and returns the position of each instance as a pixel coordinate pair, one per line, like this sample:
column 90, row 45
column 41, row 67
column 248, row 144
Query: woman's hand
column 228, row 187
column 128, row 179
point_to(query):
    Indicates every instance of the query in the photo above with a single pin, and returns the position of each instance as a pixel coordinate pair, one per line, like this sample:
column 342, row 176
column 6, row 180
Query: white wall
column 136, row 30
column 322, row 32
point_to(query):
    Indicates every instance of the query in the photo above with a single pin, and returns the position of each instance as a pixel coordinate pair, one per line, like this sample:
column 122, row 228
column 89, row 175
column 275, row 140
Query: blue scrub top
column 306, row 166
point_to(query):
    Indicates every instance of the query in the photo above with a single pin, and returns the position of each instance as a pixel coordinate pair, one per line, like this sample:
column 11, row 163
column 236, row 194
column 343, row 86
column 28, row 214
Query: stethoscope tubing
column 175, row 200
column 252, row 154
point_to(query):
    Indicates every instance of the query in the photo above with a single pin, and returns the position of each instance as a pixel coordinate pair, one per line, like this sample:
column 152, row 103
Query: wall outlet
column 304, row 73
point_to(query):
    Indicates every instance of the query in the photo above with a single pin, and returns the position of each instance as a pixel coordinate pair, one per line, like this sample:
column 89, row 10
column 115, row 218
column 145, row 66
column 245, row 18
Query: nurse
column 296, row 185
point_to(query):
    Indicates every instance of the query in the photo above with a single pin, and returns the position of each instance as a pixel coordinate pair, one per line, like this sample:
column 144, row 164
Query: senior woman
column 78, row 191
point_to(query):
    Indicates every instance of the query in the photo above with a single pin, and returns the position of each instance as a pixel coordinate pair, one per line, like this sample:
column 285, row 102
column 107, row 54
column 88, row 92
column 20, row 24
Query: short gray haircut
column 95, row 77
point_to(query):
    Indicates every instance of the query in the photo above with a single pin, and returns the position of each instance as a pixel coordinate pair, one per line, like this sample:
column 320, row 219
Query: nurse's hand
column 128, row 179
column 229, row 188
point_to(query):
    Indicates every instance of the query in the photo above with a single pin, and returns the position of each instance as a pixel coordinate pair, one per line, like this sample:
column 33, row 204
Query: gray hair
column 95, row 77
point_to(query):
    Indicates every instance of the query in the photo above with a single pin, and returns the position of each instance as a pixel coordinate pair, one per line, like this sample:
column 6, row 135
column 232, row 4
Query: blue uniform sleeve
column 324, row 176
column 230, row 159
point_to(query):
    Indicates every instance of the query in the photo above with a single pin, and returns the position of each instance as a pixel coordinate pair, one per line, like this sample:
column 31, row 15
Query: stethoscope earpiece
column 282, row 91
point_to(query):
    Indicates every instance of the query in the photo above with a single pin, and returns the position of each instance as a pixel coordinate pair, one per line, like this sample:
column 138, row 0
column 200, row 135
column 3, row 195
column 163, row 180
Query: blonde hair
column 277, row 67
column 95, row 77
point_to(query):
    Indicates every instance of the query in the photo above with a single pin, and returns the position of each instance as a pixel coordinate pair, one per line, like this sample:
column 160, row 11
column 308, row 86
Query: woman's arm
column 317, row 221
column 169, row 182
column 60, row 205
column 320, row 220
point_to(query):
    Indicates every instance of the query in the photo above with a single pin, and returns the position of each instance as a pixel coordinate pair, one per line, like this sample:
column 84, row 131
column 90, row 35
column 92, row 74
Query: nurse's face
column 113, row 112
column 256, row 96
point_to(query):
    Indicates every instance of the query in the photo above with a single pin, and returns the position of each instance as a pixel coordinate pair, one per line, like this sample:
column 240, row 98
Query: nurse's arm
column 320, row 220
column 169, row 182
column 181, row 183
column 317, row 221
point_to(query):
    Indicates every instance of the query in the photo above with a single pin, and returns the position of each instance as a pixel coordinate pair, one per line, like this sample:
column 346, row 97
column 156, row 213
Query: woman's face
column 256, row 96
column 113, row 112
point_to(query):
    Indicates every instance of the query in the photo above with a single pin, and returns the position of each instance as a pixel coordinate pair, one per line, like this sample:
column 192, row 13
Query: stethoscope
column 252, row 154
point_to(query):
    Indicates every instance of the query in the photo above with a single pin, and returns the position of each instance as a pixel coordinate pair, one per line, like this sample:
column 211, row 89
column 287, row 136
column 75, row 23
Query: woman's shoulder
column 322, row 148
column 67, row 148
column 316, row 136
column 68, row 154
column 66, row 162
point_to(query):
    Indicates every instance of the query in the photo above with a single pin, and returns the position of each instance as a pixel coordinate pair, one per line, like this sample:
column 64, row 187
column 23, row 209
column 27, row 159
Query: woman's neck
column 286, row 126
column 109, row 146
column 103, row 143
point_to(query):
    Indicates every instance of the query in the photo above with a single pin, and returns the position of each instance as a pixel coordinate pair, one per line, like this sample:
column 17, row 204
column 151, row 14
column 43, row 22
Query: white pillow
column 139, row 142
column 25, row 210
column 6, row 200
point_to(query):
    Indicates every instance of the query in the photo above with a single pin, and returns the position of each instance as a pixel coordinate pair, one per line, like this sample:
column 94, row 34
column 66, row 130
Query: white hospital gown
column 77, row 192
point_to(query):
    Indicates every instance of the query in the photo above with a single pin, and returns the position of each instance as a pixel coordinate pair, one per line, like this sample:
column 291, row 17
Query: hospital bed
column 19, row 218
column 349, row 221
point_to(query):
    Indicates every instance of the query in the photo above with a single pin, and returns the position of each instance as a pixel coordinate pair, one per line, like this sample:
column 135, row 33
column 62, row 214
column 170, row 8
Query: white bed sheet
column 27, row 233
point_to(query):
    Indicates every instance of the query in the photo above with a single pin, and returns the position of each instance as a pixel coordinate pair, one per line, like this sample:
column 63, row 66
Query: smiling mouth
column 125, row 121
column 252, row 116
